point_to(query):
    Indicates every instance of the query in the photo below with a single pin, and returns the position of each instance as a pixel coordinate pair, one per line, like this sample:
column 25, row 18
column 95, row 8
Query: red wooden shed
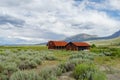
column 56, row 44
column 76, row 46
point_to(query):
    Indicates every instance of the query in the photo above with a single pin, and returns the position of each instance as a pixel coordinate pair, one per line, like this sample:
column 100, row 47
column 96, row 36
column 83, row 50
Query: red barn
column 76, row 46
column 56, row 44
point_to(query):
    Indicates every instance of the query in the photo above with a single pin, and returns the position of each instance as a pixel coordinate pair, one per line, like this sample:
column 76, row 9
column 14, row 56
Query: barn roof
column 80, row 43
column 59, row 43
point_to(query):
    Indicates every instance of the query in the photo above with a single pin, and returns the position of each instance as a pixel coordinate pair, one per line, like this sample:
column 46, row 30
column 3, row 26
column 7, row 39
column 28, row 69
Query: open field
column 110, row 42
column 39, row 63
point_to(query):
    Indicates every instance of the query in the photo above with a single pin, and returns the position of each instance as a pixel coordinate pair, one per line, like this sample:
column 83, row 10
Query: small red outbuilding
column 56, row 44
column 76, row 46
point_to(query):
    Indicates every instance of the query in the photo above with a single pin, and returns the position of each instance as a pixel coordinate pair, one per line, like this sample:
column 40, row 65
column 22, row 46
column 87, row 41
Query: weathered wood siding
column 71, row 47
column 51, row 45
column 83, row 48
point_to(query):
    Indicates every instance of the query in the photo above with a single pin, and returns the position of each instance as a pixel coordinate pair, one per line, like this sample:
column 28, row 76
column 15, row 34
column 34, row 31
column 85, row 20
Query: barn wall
column 51, row 45
column 59, row 47
column 69, row 46
column 72, row 47
column 83, row 48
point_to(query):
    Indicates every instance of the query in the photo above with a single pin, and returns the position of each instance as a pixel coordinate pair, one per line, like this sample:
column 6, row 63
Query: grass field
column 109, row 42
column 39, row 63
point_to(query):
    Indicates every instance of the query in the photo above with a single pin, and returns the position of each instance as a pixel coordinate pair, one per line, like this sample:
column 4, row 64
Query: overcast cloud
column 37, row 21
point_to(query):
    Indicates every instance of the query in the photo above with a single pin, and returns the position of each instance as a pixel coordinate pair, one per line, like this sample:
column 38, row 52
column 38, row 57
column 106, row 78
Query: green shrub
column 32, row 64
column 1, row 67
column 20, row 75
column 3, row 77
column 83, row 55
column 50, row 73
column 10, row 68
column 27, row 65
column 69, row 65
column 50, row 57
column 32, row 76
column 115, row 52
column 107, row 53
column 23, row 57
column 76, row 56
column 37, row 60
column 87, row 71
column 99, row 76
column 2, row 53
column 93, row 46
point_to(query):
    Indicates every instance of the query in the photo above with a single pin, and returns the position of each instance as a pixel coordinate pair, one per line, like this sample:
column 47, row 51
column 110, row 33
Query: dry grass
column 108, row 61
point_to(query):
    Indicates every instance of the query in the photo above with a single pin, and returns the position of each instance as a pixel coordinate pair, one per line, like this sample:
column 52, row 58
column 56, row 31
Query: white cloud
column 56, row 19
column 106, row 4
column 114, row 4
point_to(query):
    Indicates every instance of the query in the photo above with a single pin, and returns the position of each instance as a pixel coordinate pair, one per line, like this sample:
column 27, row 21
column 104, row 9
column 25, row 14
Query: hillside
column 111, row 42
column 81, row 37
column 116, row 34
column 87, row 37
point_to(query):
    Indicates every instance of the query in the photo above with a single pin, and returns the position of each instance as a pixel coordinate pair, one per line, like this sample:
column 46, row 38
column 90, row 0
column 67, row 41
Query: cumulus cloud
column 36, row 21
column 4, row 19
column 105, row 4
column 113, row 4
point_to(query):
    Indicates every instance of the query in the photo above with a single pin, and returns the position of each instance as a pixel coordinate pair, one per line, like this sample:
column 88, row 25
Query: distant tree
column 118, row 44
column 93, row 46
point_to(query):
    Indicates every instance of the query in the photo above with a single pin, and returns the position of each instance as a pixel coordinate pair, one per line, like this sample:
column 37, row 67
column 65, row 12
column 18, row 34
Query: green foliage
column 83, row 56
column 3, row 77
column 106, row 51
column 87, row 71
column 69, row 65
column 93, row 46
column 10, row 68
column 45, row 74
column 50, row 73
column 15, row 58
column 99, row 76
column 37, row 60
column 14, row 61
column 27, row 65
column 115, row 52
column 20, row 75
column 50, row 57
column 1, row 67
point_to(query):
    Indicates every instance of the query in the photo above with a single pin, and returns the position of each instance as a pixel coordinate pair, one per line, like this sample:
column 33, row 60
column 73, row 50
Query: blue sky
column 37, row 21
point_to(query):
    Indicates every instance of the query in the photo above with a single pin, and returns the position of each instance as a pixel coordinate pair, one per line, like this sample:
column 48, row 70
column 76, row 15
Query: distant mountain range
column 87, row 37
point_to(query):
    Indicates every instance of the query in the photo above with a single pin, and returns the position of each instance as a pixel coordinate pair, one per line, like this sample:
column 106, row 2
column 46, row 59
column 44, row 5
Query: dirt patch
column 66, row 76
column 46, row 64
column 111, row 72
column 113, row 76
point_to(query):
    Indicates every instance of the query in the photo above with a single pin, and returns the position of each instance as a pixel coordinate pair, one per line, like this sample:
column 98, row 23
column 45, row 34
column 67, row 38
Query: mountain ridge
column 88, row 37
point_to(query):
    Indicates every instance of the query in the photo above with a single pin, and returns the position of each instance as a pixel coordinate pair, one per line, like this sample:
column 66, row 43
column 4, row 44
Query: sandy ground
column 115, row 76
column 66, row 76
column 111, row 76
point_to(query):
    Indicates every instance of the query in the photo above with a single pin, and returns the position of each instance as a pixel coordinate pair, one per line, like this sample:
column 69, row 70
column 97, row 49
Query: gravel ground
column 115, row 76
column 66, row 76
column 111, row 72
